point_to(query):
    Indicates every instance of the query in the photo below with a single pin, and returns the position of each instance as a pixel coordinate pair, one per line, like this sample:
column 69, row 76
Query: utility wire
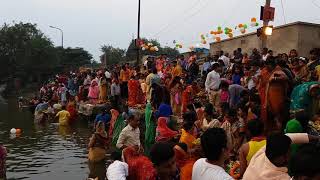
column 169, row 24
column 314, row 3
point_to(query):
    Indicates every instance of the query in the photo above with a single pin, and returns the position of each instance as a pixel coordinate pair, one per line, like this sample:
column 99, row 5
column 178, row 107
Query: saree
column 114, row 117
column 93, row 92
column 133, row 86
column 118, row 126
column 186, row 170
column 186, row 98
column 136, row 96
column 150, row 132
column 163, row 132
column 140, row 167
column 98, row 152
column 103, row 91
column 187, row 138
column 181, row 156
column 301, row 99
column 276, row 99
column 176, row 71
column 175, row 96
column 263, row 81
column 71, row 108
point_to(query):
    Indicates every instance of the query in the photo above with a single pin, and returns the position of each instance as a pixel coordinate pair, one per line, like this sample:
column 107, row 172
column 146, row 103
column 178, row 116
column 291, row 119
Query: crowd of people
column 257, row 114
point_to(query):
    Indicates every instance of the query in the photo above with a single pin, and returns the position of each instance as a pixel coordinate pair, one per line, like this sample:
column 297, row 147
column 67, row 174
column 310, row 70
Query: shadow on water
column 45, row 152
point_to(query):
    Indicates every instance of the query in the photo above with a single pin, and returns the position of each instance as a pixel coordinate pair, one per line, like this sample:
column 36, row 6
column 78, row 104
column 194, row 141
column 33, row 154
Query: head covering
column 140, row 167
column 163, row 132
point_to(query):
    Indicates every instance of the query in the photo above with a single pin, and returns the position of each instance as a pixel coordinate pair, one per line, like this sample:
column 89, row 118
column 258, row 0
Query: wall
column 299, row 35
column 309, row 38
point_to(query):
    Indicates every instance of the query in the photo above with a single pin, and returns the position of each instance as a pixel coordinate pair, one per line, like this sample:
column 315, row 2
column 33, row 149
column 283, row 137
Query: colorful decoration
column 243, row 31
column 254, row 22
column 230, row 35
column 218, row 39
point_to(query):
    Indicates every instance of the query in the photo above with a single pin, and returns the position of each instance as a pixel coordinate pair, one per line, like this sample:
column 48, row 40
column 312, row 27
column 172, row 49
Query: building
column 302, row 36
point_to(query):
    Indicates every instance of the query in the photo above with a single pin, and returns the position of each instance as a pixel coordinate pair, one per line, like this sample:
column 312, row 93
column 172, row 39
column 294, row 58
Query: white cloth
column 260, row 167
column 212, row 81
column 129, row 137
column 107, row 74
column 213, row 123
column 117, row 171
column 251, row 83
column 225, row 60
column 202, row 170
column 265, row 57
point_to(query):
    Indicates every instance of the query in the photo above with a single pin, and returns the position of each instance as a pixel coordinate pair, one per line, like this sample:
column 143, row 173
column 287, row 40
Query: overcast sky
column 92, row 23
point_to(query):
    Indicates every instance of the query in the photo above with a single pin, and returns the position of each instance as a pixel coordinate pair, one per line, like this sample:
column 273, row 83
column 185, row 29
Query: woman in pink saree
column 93, row 92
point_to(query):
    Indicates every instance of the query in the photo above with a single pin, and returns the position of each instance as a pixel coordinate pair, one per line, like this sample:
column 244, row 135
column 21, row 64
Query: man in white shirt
column 212, row 85
column 130, row 135
column 271, row 161
column 225, row 59
column 214, row 146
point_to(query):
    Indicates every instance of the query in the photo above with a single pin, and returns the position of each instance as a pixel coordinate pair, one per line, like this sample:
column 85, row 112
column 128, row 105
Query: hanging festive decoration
column 149, row 46
column 254, row 22
column 220, row 32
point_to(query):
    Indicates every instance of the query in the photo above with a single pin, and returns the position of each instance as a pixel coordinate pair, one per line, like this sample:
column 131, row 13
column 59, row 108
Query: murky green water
column 46, row 152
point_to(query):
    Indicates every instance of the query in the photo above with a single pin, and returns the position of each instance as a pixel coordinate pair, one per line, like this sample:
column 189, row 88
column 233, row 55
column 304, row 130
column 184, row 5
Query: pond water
column 43, row 152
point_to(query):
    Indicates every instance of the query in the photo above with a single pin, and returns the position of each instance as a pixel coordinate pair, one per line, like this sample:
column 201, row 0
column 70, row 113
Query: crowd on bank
column 240, row 116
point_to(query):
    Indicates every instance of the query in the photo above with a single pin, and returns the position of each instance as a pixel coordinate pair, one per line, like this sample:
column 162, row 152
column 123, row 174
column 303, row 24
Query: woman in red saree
column 71, row 108
column 136, row 95
column 186, row 98
column 163, row 132
column 181, row 152
column 140, row 167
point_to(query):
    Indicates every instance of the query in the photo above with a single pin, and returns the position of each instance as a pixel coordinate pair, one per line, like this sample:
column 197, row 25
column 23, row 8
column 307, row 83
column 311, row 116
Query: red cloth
column 140, row 167
column 181, row 156
column 163, row 132
column 186, row 98
column 71, row 108
column 136, row 95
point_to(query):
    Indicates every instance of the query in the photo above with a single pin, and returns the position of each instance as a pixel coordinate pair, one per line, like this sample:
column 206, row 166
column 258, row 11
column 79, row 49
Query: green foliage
column 112, row 55
column 25, row 52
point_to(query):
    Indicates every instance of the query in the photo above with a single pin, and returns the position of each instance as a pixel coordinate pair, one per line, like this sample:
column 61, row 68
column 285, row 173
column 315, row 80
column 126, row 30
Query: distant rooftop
column 276, row 27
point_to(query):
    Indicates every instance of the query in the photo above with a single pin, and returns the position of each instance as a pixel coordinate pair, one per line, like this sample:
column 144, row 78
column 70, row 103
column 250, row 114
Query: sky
column 93, row 23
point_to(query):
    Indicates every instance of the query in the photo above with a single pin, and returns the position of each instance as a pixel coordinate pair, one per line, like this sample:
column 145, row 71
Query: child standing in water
column 63, row 116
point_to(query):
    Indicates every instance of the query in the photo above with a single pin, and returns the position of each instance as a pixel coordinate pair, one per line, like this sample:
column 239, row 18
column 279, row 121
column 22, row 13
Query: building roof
column 277, row 27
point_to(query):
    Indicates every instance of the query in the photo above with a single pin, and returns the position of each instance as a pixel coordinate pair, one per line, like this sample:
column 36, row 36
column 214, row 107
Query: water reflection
column 43, row 152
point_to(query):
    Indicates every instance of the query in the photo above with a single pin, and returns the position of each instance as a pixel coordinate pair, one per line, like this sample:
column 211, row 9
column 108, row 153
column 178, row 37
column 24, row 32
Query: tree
column 26, row 53
column 73, row 58
column 113, row 55
column 25, row 50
